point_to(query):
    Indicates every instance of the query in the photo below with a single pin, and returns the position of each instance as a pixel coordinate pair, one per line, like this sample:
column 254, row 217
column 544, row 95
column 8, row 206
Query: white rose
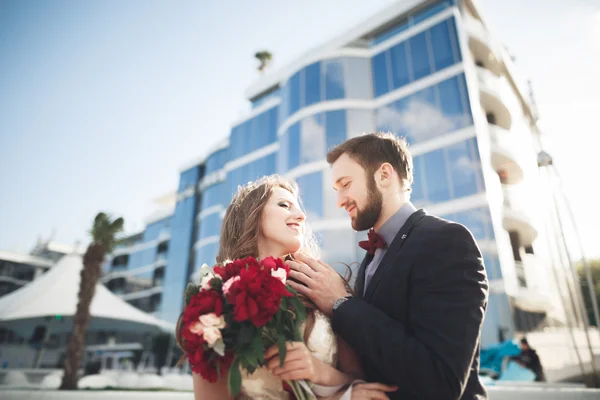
column 227, row 285
column 197, row 328
column 280, row 274
column 211, row 320
column 205, row 282
column 211, row 335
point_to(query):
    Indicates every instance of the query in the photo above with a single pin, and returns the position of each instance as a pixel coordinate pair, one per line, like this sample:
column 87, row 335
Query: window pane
column 454, row 115
column 400, row 72
column 334, row 79
column 389, row 119
column 283, row 153
column 312, row 84
column 492, row 266
column 358, row 88
column 206, row 254
column 419, row 116
column 311, row 194
column 294, row 146
column 359, row 121
column 380, row 80
column 478, row 221
column 213, row 195
column 417, row 196
column 443, row 54
column 258, row 132
column 438, row 188
column 465, row 169
column 428, row 12
column 335, row 123
column 313, row 139
column 382, row 37
column 188, row 178
column 294, row 99
column 419, row 56
column 210, row 225
column 216, row 161
column 335, row 249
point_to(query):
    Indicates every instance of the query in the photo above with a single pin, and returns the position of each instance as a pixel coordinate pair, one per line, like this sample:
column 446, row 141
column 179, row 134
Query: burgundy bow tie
column 375, row 242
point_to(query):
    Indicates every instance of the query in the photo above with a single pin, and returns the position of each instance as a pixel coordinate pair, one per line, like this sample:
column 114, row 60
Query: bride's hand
column 299, row 363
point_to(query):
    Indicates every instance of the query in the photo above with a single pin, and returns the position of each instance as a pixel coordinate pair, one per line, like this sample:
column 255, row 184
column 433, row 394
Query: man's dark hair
column 373, row 149
column 524, row 341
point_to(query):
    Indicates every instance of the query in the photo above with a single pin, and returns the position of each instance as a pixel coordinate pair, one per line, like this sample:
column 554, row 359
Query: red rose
column 233, row 268
column 256, row 296
column 206, row 301
column 270, row 263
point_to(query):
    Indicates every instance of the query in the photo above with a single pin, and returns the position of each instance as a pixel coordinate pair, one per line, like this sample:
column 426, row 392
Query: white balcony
column 492, row 90
column 516, row 217
column 505, row 154
column 482, row 46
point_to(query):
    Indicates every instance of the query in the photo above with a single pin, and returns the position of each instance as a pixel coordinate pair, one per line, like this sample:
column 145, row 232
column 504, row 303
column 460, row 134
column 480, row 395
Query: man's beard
column 367, row 217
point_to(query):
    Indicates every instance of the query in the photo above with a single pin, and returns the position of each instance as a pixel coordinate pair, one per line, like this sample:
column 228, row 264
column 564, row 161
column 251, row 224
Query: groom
column 421, row 292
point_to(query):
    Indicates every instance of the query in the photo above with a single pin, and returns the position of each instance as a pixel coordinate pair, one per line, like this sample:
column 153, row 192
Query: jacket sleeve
column 431, row 358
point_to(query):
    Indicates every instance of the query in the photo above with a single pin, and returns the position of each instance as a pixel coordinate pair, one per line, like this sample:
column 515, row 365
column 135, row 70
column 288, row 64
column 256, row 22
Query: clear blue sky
column 102, row 101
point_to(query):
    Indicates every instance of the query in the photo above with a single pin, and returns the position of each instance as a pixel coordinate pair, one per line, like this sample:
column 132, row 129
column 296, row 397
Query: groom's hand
column 320, row 282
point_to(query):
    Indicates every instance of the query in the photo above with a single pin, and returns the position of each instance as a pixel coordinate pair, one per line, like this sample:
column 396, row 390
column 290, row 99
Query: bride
column 264, row 219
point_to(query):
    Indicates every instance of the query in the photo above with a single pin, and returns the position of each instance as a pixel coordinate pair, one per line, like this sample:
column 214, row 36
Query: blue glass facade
column 447, row 173
column 253, row 134
column 324, row 81
column 309, row 139
column 137, row 269
column 411, row 20
column 416, row 57
column 436, row 110
column 182, row 239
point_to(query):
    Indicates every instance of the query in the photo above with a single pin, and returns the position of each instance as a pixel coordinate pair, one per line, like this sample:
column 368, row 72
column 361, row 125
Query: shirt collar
column 392, row 226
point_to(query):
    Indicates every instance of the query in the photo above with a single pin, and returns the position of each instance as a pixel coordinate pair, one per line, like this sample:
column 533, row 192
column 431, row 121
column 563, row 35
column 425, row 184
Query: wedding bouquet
column 237, row 312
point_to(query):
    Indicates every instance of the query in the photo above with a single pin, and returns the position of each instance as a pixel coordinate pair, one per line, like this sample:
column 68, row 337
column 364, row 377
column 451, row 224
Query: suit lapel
column 392, row 251
column 359, row 287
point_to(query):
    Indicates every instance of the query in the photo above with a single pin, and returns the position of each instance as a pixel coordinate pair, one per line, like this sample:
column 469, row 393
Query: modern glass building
column 136, row 269
column 426, row 70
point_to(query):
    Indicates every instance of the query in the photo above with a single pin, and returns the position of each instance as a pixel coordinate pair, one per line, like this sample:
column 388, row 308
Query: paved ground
column 495, row 393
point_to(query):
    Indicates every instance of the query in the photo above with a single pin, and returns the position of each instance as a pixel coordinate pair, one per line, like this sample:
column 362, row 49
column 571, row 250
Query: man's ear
column 384, row 175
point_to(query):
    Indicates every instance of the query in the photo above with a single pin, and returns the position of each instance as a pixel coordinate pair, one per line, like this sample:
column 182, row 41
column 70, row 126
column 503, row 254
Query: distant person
column 528, row 358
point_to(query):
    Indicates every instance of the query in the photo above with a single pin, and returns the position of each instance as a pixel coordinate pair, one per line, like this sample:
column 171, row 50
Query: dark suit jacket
column 419, row 322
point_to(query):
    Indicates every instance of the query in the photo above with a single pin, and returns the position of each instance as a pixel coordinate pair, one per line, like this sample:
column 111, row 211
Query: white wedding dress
column 261, row 385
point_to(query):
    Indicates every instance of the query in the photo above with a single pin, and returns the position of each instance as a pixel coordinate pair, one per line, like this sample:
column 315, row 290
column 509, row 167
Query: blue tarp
column 493, row 356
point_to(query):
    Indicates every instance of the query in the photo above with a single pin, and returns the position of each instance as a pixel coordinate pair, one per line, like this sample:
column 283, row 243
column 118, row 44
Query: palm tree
column 264, row 57
column 103, row 234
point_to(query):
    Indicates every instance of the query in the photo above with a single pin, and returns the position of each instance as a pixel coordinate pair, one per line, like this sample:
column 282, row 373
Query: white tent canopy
column 53, row 297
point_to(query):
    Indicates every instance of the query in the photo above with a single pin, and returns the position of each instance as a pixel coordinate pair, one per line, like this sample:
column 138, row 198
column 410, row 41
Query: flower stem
column 298, row 391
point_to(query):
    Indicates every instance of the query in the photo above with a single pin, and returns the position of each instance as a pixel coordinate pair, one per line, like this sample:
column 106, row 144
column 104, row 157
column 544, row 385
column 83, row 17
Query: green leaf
column 190, row 291
column 299, row 309
column 247, row 333
column 258, row 350
column 282, row 349
column 234, row 380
